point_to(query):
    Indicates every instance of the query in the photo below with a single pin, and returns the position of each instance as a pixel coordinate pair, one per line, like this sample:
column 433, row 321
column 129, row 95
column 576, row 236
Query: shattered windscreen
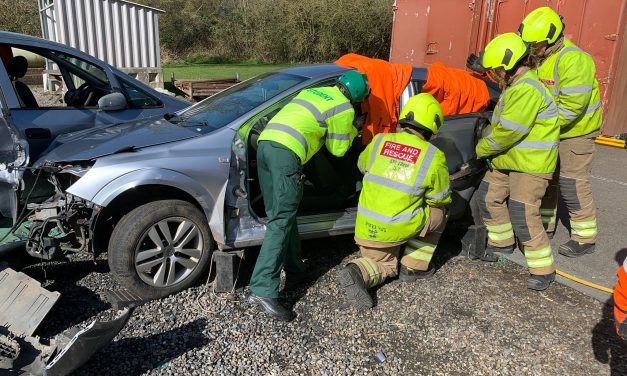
column 221, row 109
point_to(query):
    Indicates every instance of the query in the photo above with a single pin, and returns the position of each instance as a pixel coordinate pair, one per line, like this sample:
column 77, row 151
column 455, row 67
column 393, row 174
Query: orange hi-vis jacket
column 620, row 301
column 458, row 91
column 387, row 83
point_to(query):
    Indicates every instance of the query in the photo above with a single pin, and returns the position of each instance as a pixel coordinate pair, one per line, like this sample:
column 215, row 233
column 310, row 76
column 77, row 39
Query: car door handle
column 38, row 133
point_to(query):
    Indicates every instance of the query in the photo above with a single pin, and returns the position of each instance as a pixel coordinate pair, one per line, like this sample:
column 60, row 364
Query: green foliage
column 20, row 16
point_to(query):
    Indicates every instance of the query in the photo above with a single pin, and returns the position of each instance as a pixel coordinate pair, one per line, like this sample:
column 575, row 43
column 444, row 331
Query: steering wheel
column 83, row 96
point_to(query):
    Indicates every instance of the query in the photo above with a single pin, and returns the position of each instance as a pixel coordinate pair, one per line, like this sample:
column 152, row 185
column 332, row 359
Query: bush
column 20, row 16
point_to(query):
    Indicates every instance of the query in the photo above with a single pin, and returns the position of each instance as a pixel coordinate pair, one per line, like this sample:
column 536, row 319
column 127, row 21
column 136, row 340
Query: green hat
column 354, row 85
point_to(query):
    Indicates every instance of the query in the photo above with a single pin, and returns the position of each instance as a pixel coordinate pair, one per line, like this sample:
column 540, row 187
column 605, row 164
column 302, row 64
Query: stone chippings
column 471, row 318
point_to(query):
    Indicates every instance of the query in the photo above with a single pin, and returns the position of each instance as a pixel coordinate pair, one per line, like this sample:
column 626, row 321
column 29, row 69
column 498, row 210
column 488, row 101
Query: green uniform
column 315, row 117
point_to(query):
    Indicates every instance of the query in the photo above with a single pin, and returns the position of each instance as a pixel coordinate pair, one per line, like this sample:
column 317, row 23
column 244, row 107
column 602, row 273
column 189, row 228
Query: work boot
column 492, row 252
column 272, row 307
column 573, row 248
column 351, row 280
column 410, row 275
column 540, row 282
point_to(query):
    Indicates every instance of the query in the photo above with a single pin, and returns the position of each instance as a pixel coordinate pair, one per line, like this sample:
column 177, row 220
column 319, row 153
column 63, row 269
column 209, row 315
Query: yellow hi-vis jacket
column 315, row 117
column 403, row 176
column 524, row 133
column 569, row 75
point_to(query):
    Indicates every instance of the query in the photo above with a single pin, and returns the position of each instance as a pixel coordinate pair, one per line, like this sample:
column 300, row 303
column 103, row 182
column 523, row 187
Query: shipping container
column 426, row 31
column 122, row 33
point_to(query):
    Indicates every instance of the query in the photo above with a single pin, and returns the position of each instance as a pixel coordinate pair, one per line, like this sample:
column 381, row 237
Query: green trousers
column 281, row 182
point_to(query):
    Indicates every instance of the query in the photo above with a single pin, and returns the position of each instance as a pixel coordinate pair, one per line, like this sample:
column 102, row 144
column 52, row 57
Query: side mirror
column 113, row 102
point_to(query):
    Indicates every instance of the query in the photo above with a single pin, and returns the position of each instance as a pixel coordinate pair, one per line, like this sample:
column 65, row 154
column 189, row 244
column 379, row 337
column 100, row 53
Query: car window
column 136, row 97
column 221, row 109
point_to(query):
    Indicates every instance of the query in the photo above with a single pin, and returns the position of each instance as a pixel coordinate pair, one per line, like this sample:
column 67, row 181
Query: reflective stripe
column 314, row 111
column 403, row 217
column 292, row 132
column 336, row 110
column 418, row 245
column 418, row 255
column 500, row 236
column 585, row 233
column 555, row 68
column 548, row 211
column 568, row 114
column 540, row 253
column 389, row 183
column 587, row 224
column 543, row 145
column 593, row 108
column 375, row 151
column 540, row 262
column 541, row 89
column 550, row 113
column 576, row 89
column 424, row 166
column 372, row 269
column 339, row 136
column 439, row 196
column 499, row 228
column 493, row 143
column 548, row 221
column 513, row 126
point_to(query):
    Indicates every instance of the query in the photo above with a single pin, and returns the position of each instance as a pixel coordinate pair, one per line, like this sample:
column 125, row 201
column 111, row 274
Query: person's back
column 400, row 170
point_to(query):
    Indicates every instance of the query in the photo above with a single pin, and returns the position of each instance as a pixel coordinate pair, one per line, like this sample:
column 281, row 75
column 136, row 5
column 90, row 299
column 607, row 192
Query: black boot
column 492, row 252
column 411, row 275
column 351, row 280
column 272, row 307
column 540, row 282
column 574, row 249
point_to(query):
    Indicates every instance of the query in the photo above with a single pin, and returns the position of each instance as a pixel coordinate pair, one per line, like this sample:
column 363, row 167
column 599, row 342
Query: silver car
column 161, row 195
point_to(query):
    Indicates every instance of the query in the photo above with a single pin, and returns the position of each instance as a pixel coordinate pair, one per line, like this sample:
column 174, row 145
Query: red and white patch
column 548, row 82
column 400, row 152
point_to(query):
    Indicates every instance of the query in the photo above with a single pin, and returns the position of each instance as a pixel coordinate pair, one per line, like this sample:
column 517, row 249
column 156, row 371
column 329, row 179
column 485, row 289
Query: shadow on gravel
column 608, row 347
column 77, row 303
column 137, row 355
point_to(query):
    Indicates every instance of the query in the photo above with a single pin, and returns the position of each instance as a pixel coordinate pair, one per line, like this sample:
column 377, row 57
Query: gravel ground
column 471, row 318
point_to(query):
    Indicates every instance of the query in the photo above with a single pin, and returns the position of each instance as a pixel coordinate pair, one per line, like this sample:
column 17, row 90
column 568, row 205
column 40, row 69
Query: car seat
column 16, row 68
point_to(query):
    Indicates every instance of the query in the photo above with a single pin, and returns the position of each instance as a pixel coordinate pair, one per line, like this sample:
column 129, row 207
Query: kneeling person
column 405, row 191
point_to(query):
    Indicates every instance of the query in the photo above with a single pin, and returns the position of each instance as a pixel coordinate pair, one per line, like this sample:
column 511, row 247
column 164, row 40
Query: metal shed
column 426, row 31
column 122, row 33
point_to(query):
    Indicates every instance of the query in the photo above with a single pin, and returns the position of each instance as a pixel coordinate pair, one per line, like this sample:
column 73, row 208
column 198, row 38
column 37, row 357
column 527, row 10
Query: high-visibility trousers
column 510, row 204
column 572, row 181
column 379, row 261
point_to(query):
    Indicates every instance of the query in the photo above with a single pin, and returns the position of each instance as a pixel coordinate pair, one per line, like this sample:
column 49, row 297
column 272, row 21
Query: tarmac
column 609, row 186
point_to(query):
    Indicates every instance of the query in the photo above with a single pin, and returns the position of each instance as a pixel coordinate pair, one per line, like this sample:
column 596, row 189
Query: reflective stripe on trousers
column 500, row 232
column 419, row 250
column 539, row 258
column 586, row 229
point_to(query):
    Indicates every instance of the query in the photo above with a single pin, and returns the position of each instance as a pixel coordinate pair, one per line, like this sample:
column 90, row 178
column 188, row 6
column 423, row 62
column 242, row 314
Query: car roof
column 315, row 71
column 7, row 37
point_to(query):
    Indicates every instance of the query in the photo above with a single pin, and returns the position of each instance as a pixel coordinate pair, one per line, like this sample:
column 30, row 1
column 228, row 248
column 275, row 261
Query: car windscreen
column 221, row 109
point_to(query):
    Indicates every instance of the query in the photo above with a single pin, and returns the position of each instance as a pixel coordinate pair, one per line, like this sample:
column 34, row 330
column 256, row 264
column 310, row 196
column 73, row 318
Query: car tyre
column 152, row 263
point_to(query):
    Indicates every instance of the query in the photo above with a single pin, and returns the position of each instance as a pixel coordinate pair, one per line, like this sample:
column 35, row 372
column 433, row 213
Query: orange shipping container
column 426, row 31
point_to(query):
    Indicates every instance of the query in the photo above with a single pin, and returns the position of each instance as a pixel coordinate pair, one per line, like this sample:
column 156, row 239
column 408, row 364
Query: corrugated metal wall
column 123, row 34
column 426, row 31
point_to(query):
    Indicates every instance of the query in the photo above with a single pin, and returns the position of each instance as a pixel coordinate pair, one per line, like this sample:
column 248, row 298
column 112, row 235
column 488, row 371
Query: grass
column 216, row 71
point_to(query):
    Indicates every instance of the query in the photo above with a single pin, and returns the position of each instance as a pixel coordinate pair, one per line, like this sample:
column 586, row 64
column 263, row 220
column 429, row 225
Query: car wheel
column 160, row 248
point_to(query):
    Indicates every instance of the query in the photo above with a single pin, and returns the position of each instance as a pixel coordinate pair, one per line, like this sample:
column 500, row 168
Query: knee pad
column 519, row 220
column 568, row 187
column 482, row 191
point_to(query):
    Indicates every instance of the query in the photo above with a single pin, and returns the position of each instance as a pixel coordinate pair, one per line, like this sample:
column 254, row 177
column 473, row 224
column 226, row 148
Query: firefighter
column 405, row 192
column 315, row 117
column 568, row 73
column 522, row 149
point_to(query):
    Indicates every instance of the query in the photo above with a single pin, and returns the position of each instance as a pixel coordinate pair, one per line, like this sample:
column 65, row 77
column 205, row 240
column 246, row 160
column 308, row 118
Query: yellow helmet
column 504, row 51
column 542, row 24
column 422, row 111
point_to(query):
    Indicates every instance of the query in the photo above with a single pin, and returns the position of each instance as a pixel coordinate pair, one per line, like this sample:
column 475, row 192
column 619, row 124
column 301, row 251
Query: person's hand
column 473, row 63
column 359, row 121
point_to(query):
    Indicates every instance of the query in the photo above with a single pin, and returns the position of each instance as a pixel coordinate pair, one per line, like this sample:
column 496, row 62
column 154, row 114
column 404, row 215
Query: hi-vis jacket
column 569, row 75
column 315, row 117
column 403, row 176
column 524, row 135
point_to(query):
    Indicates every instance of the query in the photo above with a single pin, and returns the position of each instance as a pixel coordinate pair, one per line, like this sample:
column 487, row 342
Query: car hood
column 97, row 142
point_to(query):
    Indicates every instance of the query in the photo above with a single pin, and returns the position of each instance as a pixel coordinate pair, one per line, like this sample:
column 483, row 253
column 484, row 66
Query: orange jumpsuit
column 620, row 301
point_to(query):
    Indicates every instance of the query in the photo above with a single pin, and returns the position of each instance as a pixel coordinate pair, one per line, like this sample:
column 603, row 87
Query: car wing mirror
column 113, row 102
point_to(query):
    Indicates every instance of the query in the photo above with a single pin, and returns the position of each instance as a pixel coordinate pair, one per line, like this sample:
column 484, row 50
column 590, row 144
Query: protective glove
column 473, row 63
column 359, row 121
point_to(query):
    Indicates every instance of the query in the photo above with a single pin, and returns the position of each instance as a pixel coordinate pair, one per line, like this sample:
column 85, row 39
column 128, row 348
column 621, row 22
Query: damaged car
column 161, row 195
